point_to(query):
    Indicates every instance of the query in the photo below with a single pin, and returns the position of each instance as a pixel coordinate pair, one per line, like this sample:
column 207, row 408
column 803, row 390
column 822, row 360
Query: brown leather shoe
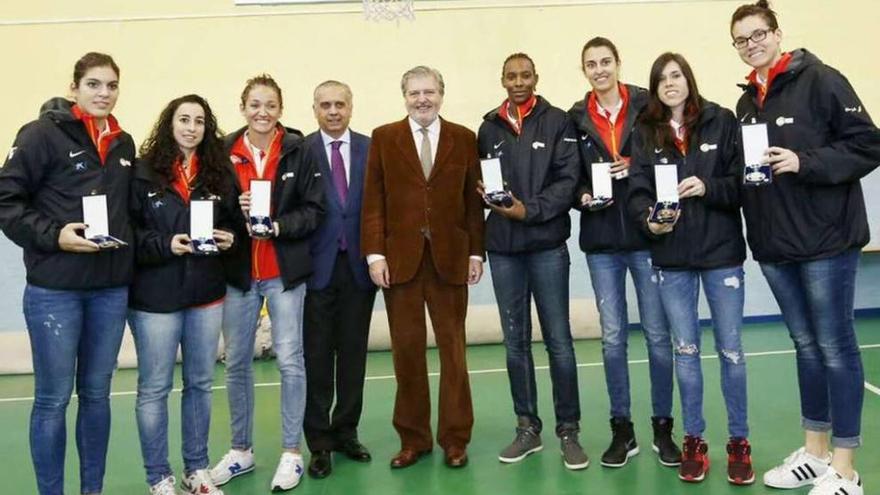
column 407, row 457
column 456, row 457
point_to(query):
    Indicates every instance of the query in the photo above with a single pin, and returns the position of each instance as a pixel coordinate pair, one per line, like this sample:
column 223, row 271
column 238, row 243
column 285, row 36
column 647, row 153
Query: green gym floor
column 773, row 417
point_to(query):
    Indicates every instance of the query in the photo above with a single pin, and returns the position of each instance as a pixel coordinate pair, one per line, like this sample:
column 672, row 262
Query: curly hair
column 160, row 151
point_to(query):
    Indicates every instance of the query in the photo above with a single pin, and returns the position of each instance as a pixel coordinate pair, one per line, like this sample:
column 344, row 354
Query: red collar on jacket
column 101, row 140
column 603, row 123
column 780, row 67
column 184, row 178
column 522, row 111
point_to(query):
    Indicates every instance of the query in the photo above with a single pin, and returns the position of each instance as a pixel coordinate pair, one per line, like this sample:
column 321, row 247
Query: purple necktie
column 337, row 169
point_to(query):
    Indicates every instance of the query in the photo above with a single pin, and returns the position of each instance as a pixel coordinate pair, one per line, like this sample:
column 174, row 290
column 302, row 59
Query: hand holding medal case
column 260, row 221
column 666, row 207
column 95, row 216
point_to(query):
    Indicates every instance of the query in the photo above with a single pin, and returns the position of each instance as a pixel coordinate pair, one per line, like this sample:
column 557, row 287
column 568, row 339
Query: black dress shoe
column 354, row 450
column 321, row 464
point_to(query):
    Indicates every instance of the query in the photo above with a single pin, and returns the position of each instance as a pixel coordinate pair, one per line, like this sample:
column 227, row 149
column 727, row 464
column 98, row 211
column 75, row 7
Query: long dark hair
column 160, row 151
column 656, row 115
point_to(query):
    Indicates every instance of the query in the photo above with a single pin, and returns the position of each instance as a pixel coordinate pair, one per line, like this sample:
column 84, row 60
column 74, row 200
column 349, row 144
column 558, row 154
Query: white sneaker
column 798, row 469
column 199, row 483
column 832, row 483
column 234, row 463
column 289, row 472
column 164, row 487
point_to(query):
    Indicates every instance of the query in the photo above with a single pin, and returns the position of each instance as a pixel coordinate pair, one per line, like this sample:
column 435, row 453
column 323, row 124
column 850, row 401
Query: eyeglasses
column 757, row 36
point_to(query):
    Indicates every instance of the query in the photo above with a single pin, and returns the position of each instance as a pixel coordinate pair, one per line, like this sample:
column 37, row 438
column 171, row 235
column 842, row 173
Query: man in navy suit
column 340, row 296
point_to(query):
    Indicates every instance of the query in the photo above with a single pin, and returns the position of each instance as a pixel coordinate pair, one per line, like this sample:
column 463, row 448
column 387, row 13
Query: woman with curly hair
column 176, row 299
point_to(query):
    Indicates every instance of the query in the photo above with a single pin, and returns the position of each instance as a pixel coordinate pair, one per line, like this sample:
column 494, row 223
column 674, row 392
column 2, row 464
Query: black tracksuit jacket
column 708, row 233
column 164, row 282
column 609, row 230
column 540, row 167
column 818, row 212
column 297, row 206
column 51, row 166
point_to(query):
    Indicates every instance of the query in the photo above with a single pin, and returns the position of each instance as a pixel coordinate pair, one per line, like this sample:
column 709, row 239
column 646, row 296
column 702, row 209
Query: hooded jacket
column 540, row 167
column 811, row 109
column 708, row 233
column 609, row 230
column 53, row 163
column 297, row 206
column 164, row 282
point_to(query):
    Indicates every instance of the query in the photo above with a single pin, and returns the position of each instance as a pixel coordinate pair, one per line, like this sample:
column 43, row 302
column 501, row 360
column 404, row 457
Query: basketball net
column 388, row 10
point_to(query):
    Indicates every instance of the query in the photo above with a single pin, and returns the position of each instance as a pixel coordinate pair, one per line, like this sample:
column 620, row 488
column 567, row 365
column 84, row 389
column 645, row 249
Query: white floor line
column 128, row 393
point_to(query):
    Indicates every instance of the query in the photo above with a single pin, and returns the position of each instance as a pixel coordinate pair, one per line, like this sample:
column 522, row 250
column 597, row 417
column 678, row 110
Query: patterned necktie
column 425, row 153
column 337, row 169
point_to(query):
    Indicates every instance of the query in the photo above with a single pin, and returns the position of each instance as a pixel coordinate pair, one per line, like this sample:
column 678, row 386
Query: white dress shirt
column 344, row 149
column 433, row 135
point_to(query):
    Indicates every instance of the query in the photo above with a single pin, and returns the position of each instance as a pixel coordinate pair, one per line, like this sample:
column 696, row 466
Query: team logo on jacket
column 79, row 166
column 707, row 147
column 11, row 152
column 238, row 160
column 781, row 121
column 537, row 145
column 664, row 160
column 124, row 162
column 158, row 203
column 287, row 175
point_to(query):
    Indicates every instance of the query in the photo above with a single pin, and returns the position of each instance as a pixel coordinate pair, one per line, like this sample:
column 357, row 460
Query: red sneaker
column 739, row 462
column 694, row 460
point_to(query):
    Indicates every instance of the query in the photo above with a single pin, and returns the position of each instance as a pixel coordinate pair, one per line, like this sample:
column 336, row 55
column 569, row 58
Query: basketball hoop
column 388, row 10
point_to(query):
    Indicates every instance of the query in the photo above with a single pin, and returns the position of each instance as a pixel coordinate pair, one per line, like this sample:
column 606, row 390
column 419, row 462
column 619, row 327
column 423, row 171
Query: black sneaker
column 623, row 443
column 664, row 445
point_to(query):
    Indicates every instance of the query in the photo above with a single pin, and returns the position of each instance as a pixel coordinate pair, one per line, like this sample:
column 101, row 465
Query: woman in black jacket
column 703, row 245
column 615, row 244
column 806, row 229
column 535, row 145
column 176, row 298
column 76, row 294
column 270, row 269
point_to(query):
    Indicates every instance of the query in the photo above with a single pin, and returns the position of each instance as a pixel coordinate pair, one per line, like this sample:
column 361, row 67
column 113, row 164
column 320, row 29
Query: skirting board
column 483, row 327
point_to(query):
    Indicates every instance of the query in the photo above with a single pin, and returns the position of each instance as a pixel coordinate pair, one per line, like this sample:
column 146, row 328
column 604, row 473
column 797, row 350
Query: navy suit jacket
column 339, row 217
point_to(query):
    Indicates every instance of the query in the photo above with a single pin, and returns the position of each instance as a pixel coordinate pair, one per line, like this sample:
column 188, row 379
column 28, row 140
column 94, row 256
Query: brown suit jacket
column 400, row 205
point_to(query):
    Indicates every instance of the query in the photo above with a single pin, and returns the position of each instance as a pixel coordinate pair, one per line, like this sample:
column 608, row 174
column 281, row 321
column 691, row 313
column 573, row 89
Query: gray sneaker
column 572, row 453
column 527, row 441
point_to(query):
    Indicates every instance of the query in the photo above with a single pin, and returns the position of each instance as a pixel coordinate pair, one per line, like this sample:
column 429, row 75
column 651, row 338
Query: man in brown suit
column 422, row 233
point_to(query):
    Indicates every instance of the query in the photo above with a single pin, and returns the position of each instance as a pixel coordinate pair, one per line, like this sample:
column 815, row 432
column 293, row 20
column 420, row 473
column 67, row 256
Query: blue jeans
column 816, row 299
column 724, row 289
column 241, row 313
column 608, row 275
column 157, row 337
column 544, row 275
column 75, row 337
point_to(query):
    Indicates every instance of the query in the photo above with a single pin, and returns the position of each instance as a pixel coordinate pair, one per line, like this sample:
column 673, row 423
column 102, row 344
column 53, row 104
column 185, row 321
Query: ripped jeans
column 724, row 290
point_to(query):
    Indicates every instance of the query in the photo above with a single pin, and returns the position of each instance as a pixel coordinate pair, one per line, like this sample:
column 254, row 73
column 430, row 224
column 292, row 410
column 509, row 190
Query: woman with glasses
column 613, row 244
column 700, row 243
column 806, row 228
column 76, row 295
